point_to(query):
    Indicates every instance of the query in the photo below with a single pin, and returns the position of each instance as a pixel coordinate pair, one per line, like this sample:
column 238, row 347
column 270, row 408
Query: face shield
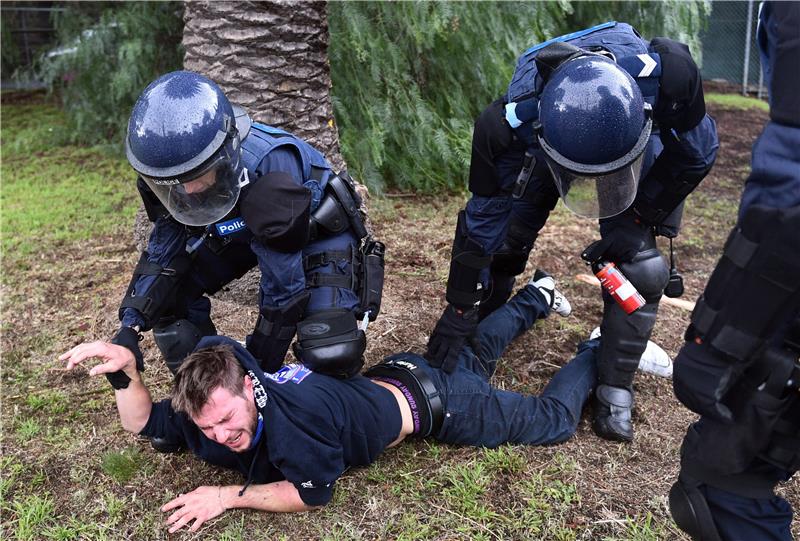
column 598, row 191
column 206, row 195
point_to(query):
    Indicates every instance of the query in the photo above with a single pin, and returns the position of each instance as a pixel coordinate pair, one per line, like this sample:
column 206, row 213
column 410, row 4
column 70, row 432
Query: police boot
column 612, row 413
column 177, row 338
column 164, row 445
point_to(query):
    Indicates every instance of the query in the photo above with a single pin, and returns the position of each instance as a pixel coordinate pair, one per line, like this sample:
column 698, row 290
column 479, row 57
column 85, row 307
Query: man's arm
column 133, row 402
column 207, row 502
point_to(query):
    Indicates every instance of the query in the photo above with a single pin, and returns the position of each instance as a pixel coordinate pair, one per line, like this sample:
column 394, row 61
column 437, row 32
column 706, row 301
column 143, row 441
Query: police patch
column 294, row 373
column 230, row 227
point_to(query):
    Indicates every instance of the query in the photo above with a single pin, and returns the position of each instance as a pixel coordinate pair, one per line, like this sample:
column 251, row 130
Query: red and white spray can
column 618, row 286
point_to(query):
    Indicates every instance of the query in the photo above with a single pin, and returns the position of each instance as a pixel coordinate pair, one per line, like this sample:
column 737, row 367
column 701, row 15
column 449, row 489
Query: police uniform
column 513, row 192
column 739, row 368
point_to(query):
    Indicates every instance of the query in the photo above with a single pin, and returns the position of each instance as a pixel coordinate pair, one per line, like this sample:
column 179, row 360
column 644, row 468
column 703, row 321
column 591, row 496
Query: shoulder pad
column 680, row 104
column 277, row 210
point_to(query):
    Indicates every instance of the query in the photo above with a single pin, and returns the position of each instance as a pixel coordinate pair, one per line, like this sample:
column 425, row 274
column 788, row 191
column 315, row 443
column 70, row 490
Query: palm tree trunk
column 272, row 59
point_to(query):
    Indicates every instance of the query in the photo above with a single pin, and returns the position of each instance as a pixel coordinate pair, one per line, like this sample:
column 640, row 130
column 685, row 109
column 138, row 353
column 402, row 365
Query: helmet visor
column 204, row 198
column 598, row 195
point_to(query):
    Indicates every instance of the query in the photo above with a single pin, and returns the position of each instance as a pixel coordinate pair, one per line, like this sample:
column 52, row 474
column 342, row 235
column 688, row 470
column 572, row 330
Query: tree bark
column 272, row 59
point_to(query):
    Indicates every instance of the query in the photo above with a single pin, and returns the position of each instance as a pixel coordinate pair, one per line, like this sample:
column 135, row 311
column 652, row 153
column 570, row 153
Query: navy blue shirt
column 315, row 427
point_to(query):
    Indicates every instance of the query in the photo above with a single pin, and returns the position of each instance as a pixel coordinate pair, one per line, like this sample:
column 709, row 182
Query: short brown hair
column 201, row 373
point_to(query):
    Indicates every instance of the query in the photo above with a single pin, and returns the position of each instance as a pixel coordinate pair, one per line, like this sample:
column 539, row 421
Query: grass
column 68, row 471
column 52, row 193
column 736, row 101
column 122, row 465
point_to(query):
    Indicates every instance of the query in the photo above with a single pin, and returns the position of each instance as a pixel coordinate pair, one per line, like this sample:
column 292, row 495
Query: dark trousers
column 475, row 413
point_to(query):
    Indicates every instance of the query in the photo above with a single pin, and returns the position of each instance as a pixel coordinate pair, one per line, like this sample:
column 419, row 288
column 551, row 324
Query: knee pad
column 177, row 340
column 331, row 343
column 690, row 511
column 648, row 272
column 513, row 254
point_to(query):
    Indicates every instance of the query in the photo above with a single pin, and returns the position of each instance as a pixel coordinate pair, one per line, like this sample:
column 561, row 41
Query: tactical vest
column 621, row 40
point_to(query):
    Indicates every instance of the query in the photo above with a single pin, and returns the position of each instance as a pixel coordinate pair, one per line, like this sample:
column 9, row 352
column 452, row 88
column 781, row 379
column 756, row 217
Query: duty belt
column 413, row 375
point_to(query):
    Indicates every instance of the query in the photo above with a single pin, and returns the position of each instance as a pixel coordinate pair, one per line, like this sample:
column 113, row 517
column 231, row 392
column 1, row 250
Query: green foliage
column 676, row 19
column 118, row 49
column 409, row 78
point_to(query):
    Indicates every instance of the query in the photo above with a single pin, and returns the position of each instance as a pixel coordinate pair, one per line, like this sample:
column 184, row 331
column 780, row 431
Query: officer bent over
column 294, row 432
column 226, row 194
column 615, row 126
column 740, row 366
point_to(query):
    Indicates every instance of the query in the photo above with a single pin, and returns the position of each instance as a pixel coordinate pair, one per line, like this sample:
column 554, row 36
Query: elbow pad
column 663, row 191
column 153, row 302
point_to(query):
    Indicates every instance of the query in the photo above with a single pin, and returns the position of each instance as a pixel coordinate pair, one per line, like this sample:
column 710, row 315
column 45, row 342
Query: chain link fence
column 730, row 52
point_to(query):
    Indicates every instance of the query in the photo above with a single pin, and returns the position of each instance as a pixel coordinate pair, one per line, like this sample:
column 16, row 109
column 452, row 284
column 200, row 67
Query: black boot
column 163, row 445
column 612, row 413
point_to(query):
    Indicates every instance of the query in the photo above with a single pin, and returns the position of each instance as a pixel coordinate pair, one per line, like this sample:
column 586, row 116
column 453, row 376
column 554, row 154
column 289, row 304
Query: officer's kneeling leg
column 690, row 510
column 624, row 340
column 330, row 342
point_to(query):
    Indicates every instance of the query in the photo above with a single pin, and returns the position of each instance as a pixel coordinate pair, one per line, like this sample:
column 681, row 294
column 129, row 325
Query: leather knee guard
column 178, row 339
column 625, row 336
column 690, row 511
column 330, row 342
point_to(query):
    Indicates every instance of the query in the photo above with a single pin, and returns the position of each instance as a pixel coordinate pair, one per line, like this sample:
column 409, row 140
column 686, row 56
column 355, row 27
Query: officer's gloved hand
column 701, row 380
column 127, row 337
column 454, row 329
column 622, row 238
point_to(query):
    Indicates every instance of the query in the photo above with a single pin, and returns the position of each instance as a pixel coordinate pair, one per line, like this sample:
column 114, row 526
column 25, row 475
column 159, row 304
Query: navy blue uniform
column 504, row 224
column 315, row 426
column 226, row 250
column 735, row 465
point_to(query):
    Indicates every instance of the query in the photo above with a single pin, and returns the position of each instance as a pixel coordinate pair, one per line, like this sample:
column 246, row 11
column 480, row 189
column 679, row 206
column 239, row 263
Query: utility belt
column 340, row 210
column 424, row 399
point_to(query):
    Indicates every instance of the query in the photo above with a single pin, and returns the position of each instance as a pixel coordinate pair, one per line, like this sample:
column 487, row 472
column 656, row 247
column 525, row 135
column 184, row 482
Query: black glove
column 129, row 338
column 701, row 379
column 621, row 240
column 452, row 331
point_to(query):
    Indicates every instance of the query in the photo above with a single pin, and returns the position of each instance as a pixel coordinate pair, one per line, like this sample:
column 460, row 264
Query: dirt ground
column 69, row 295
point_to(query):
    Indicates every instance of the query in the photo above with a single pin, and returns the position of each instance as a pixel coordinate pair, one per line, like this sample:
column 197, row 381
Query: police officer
column 616, row 126
column 739, row 367
column 226, row 194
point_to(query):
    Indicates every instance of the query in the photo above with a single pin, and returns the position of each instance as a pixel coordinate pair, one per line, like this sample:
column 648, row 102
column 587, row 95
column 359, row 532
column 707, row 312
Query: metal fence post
column 746, row 73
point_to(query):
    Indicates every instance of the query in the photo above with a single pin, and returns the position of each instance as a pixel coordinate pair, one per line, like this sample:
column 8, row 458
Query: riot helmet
column 184, row 141
column 593, row 127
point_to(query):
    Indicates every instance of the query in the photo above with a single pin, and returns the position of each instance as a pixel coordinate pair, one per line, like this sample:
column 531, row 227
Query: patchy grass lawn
column 68, row 471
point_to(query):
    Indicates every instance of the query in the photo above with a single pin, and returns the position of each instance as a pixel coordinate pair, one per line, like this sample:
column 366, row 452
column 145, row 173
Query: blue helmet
column 184, row 141
column 593, row 126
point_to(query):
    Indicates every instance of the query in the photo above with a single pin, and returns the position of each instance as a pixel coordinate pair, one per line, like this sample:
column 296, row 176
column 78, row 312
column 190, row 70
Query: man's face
column 201, row 183
column 229, row 419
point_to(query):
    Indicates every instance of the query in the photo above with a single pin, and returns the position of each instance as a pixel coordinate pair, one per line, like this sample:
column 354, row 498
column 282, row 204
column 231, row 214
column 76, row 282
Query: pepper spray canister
column 618, row 286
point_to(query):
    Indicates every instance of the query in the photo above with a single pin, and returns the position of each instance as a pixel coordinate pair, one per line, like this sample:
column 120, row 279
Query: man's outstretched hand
column 113, row 357
column 200, row 505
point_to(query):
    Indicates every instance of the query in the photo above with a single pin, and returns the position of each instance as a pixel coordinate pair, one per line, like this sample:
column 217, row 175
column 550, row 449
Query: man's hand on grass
column 201, row 504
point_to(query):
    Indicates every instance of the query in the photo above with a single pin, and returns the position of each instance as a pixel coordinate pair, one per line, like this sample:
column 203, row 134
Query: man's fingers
column 180, row 524
column 197, row 523
column 172, row 504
